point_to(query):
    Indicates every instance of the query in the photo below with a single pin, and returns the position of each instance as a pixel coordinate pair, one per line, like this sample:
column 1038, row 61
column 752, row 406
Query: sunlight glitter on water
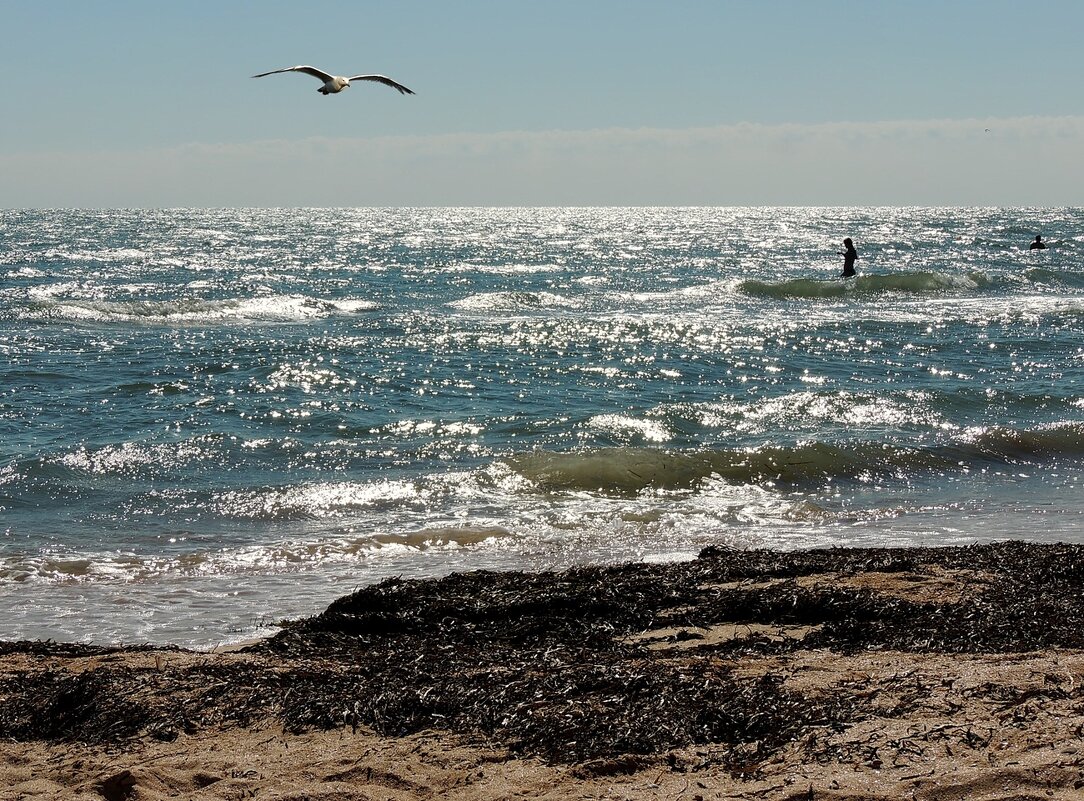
column 298, row 403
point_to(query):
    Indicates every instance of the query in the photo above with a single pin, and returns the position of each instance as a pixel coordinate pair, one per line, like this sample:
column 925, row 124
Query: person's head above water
column 1038, row 239
column 848, row 242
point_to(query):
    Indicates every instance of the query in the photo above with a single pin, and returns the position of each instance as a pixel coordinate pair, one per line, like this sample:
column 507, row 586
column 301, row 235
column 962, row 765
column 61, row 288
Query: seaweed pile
column 602, row 664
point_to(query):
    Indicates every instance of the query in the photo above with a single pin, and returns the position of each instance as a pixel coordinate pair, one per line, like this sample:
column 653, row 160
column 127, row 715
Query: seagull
column 333, row 84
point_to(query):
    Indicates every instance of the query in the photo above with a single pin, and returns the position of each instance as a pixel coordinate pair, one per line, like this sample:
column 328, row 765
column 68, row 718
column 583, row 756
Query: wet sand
column 845, row 673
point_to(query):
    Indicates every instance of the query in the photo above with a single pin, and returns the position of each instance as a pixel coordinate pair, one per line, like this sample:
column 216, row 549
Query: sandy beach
column 844, row 673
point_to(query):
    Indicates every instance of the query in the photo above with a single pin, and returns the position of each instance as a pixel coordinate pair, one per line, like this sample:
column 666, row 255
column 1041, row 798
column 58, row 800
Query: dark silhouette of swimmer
column 849, row 255
column 1038, row 244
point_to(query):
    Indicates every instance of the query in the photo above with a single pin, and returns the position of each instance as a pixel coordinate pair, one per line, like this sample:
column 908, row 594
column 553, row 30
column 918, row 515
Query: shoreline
column 839, row 673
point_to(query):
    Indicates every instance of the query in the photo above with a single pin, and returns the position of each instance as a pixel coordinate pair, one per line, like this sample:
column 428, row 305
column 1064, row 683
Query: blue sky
column 594, row 102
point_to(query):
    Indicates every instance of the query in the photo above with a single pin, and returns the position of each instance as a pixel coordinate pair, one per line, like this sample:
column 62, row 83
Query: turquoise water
column 211, row 420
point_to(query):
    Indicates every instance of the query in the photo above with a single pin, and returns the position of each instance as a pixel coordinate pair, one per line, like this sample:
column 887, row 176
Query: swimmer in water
column 849, row 256
column 1038, row 244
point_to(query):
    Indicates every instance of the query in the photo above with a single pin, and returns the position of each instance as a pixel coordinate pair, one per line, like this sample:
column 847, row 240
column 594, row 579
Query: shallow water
column 215, row 419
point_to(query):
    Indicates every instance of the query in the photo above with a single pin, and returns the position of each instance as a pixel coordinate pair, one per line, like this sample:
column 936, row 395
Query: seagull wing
column 384, row 80
column 315, row 73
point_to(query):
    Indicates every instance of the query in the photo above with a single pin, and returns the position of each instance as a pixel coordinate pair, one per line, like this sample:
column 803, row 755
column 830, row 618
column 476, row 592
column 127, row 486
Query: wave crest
column 632, row 470
column 283, row 556
column 512, row 301
column 863, row 285
column 275, row 308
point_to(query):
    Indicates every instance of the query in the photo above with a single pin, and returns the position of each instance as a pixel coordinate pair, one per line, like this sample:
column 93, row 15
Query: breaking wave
column 286, row 555
column 512, row 301
column 631, row 470
column 863, row 285
column 275, row 308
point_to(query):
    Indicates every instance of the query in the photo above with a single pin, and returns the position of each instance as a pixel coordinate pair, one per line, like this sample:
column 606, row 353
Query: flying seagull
column 333, row 84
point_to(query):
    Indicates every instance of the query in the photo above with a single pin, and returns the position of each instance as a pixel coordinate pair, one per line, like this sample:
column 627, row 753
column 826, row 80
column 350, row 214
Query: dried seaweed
column 52, row 648
column 556, row 664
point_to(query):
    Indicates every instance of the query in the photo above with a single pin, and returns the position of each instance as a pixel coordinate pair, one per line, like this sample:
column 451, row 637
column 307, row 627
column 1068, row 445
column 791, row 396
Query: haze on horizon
column 128, row 104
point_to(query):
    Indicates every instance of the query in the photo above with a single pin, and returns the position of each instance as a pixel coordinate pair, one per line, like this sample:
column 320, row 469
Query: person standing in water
column 849, row 256
column 1038, row 244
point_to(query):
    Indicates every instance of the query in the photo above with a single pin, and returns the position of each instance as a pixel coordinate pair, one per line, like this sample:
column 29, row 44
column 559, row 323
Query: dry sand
column 945, row 714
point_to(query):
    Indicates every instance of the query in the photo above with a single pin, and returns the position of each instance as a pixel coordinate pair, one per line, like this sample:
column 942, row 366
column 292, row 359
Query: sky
column 150, row 104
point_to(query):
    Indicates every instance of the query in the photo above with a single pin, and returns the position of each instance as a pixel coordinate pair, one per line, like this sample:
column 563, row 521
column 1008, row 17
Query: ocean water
column 214, row 420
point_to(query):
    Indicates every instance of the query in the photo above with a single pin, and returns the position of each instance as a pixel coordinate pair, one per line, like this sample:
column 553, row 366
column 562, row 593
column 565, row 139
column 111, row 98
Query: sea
column 216, row 420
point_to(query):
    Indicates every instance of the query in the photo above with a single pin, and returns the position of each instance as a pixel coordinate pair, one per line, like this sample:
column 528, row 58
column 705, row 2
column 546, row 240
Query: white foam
column 270, row 308
column 315, row 501
column 497, row 301
column 624, row 426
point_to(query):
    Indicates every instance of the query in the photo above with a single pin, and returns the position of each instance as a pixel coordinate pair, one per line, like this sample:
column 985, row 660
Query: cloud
column 1017, row 161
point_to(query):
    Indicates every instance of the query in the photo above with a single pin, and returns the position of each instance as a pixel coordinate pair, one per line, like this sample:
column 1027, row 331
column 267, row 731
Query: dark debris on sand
column 565, row 665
